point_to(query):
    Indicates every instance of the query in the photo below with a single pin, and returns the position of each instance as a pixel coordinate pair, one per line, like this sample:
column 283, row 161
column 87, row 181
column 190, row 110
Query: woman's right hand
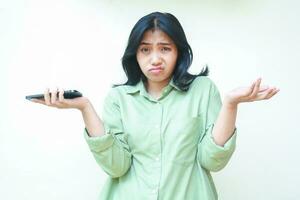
column 51, row 99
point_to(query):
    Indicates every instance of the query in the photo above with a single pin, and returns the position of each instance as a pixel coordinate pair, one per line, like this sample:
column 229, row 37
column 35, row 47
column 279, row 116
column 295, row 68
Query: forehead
column 155, row 35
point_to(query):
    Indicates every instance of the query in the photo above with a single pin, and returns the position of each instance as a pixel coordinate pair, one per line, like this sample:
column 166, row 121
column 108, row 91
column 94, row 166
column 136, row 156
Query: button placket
column 158, row 109
column 157, row 158
column 159, row 117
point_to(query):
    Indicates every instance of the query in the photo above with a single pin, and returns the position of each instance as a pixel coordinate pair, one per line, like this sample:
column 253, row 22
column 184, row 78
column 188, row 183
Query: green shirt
column 160, row 148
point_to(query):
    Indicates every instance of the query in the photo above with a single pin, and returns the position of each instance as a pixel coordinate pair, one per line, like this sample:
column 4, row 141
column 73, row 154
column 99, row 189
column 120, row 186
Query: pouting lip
column 156, row 68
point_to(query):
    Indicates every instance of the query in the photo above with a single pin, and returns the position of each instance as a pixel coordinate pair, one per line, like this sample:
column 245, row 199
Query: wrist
column 85, row 106
column 230, row 104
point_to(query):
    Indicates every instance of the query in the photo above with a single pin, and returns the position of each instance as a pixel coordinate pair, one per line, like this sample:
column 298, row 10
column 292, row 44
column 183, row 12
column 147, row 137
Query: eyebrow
column 160, row 43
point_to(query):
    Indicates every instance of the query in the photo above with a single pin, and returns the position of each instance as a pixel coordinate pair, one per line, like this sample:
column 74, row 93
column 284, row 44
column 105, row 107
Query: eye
column 145, row 50
column 165, row 49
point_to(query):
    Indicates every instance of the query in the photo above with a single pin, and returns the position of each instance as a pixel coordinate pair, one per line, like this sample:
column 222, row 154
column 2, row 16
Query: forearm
column 93, row 123
column 225, row 123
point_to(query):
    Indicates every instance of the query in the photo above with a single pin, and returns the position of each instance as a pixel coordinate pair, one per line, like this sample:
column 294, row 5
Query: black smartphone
column 68, row 94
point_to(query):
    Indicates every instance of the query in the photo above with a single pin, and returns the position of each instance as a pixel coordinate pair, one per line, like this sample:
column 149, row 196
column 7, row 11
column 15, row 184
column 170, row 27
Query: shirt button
column 156, row 126
column 157, row 158
column 154, row 191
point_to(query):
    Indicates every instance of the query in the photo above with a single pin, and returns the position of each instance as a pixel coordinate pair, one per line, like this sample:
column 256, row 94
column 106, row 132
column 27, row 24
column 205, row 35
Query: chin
column 157, row 79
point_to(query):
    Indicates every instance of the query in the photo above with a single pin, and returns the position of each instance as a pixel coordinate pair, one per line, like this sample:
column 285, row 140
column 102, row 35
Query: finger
column 269, row 94
column 265, row 94
column 256, row 88
column 274, row 91
column 263, row 88
column 54, row 95
column 47, row 97
column 250, row 90
column 61, row 95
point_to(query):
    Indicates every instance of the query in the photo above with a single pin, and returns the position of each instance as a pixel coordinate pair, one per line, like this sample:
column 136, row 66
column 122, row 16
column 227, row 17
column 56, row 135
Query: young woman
column 164, row 130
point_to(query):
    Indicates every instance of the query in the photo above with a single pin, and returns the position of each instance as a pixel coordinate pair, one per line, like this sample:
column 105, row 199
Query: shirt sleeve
column 111, row 150
column 212, row 156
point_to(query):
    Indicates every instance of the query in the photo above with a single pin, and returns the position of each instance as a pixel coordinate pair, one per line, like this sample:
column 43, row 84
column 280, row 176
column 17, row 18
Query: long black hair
column 170, row 25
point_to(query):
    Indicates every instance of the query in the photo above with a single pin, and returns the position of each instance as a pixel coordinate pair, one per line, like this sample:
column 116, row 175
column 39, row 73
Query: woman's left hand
column 255, row 92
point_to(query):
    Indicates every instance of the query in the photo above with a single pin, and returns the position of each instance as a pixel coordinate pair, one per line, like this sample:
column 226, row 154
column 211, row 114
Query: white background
column 79, row 45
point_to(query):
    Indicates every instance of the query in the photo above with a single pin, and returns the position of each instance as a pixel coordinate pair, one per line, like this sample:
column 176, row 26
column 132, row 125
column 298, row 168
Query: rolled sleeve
column 212, row 156
column 111, row 150
column 221, row 150
column 98, row 144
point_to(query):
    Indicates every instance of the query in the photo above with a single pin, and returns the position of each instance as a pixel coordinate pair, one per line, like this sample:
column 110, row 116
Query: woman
column 164, row 130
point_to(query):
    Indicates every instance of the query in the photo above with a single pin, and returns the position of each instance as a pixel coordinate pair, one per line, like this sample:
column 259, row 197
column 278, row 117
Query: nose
column 155, row 59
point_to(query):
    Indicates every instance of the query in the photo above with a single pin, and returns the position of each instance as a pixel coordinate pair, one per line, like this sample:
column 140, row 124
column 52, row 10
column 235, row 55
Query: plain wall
column 79, row 45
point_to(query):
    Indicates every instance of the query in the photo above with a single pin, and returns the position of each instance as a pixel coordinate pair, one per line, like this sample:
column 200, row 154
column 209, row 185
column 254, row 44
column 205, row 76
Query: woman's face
column 156, row 56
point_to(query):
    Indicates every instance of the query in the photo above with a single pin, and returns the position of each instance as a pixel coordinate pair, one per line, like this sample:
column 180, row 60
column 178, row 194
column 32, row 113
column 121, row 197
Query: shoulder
column 204, row 83
column 122, row 89
column 116, row 93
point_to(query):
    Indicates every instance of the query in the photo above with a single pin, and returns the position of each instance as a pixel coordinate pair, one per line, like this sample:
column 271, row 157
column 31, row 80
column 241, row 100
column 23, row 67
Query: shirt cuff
column 99, row 143
column 218, row 149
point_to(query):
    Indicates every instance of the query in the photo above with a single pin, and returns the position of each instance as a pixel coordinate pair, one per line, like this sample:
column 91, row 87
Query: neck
column 156, row 87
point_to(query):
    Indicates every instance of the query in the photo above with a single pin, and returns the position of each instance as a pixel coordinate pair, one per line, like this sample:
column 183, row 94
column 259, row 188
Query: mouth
column 156, row 69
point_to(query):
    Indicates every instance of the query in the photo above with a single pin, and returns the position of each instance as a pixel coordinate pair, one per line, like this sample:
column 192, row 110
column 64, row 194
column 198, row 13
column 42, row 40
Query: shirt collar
column 131, row 89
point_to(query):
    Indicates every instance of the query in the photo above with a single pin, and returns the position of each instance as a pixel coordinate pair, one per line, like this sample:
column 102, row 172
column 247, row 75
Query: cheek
column 172, row 59
column 142, row 61
column 139, row 58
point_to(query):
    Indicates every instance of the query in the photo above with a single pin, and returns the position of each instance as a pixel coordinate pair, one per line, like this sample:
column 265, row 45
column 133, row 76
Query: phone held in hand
column 68, row 94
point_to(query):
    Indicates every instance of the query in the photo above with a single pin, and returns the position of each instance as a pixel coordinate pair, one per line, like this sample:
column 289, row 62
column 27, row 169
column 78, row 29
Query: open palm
column 255, row 92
